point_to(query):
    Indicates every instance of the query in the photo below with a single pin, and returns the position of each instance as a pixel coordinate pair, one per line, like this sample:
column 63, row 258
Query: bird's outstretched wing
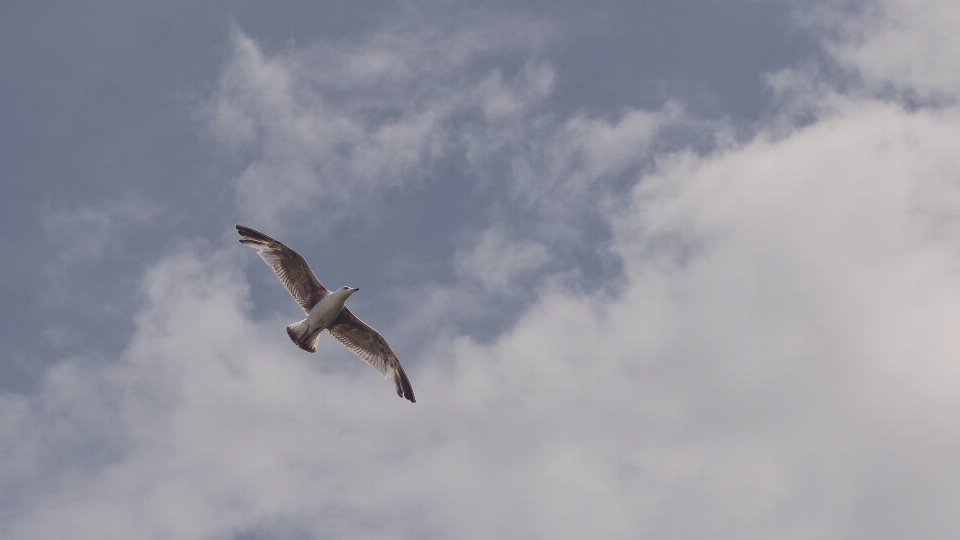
column 290, row 267
column 368, row 344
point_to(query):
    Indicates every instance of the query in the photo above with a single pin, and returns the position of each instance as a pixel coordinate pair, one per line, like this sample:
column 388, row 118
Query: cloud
column 497, row 262
column 336, row 132
column 780, row 361
column 85, row 233
column 819, row 294
column 85, row 240
column 331, row 125
column 904, row 46
column 566, row 166
column 331, row 128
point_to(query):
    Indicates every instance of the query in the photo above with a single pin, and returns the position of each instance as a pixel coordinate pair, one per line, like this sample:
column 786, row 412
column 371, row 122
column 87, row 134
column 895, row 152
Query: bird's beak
column 356, row 289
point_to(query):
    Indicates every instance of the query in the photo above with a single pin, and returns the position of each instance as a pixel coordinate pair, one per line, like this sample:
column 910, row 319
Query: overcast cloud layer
column 649, row 320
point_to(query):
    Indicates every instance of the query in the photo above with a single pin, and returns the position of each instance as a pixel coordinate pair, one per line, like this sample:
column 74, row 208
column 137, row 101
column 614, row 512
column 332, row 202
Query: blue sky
column 655, row 269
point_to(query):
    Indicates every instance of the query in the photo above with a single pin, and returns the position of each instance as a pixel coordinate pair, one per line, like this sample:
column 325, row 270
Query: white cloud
column 85, row 233
column 331, row 125
column 815, row 311
column 332, row 128
column 780, row 362
column 909, row 46
column 565, row 166
column 498, row 261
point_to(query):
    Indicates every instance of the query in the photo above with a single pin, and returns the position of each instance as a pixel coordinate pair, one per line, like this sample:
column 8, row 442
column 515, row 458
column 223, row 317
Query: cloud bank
column 777, row 359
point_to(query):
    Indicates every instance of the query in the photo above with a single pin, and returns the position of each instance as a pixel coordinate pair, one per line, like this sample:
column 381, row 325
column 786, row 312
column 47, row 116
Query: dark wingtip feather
column 248, row 232
column 404, row 389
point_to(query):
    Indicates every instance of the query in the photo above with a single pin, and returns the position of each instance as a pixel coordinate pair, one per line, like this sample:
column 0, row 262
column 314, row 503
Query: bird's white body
column 327, row 310
column 321, row 316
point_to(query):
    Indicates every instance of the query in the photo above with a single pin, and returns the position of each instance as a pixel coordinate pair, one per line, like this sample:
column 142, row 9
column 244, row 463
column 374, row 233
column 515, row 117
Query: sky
column 658, row 269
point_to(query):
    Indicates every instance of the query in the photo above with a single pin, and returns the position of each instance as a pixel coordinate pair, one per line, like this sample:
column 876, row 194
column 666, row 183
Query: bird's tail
column 300, row 334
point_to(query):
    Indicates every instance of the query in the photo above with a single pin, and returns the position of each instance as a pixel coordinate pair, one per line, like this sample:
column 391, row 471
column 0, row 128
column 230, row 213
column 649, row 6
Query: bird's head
column 347, row 291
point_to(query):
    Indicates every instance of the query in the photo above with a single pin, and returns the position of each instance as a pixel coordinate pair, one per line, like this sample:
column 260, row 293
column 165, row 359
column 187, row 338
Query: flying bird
column 326, row 310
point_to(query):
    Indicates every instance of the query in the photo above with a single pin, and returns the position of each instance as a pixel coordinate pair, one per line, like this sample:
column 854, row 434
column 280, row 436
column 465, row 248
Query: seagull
column 326, row 310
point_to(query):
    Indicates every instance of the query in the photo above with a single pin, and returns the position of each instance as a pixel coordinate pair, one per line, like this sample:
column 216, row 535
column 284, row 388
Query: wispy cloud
column 330, row 125
column 896, row 46
column 83, row 242
column 497, row 262
column 780, row 360
column 86, row 233
column 336, row 131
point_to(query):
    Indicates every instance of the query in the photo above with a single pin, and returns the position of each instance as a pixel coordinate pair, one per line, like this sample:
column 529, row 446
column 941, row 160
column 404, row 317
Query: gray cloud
column 904, row 47
column 328, row 126
column 777, row 358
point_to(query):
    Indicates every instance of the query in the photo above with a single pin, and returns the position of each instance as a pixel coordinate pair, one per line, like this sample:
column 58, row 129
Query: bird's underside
column 325, row 311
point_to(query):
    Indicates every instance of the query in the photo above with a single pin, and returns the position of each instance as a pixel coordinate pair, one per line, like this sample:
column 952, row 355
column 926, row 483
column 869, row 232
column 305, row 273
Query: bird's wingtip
column 404, row 388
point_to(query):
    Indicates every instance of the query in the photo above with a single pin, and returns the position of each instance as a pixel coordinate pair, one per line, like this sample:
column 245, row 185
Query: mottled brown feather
column 369, row 345
column 288, row 265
